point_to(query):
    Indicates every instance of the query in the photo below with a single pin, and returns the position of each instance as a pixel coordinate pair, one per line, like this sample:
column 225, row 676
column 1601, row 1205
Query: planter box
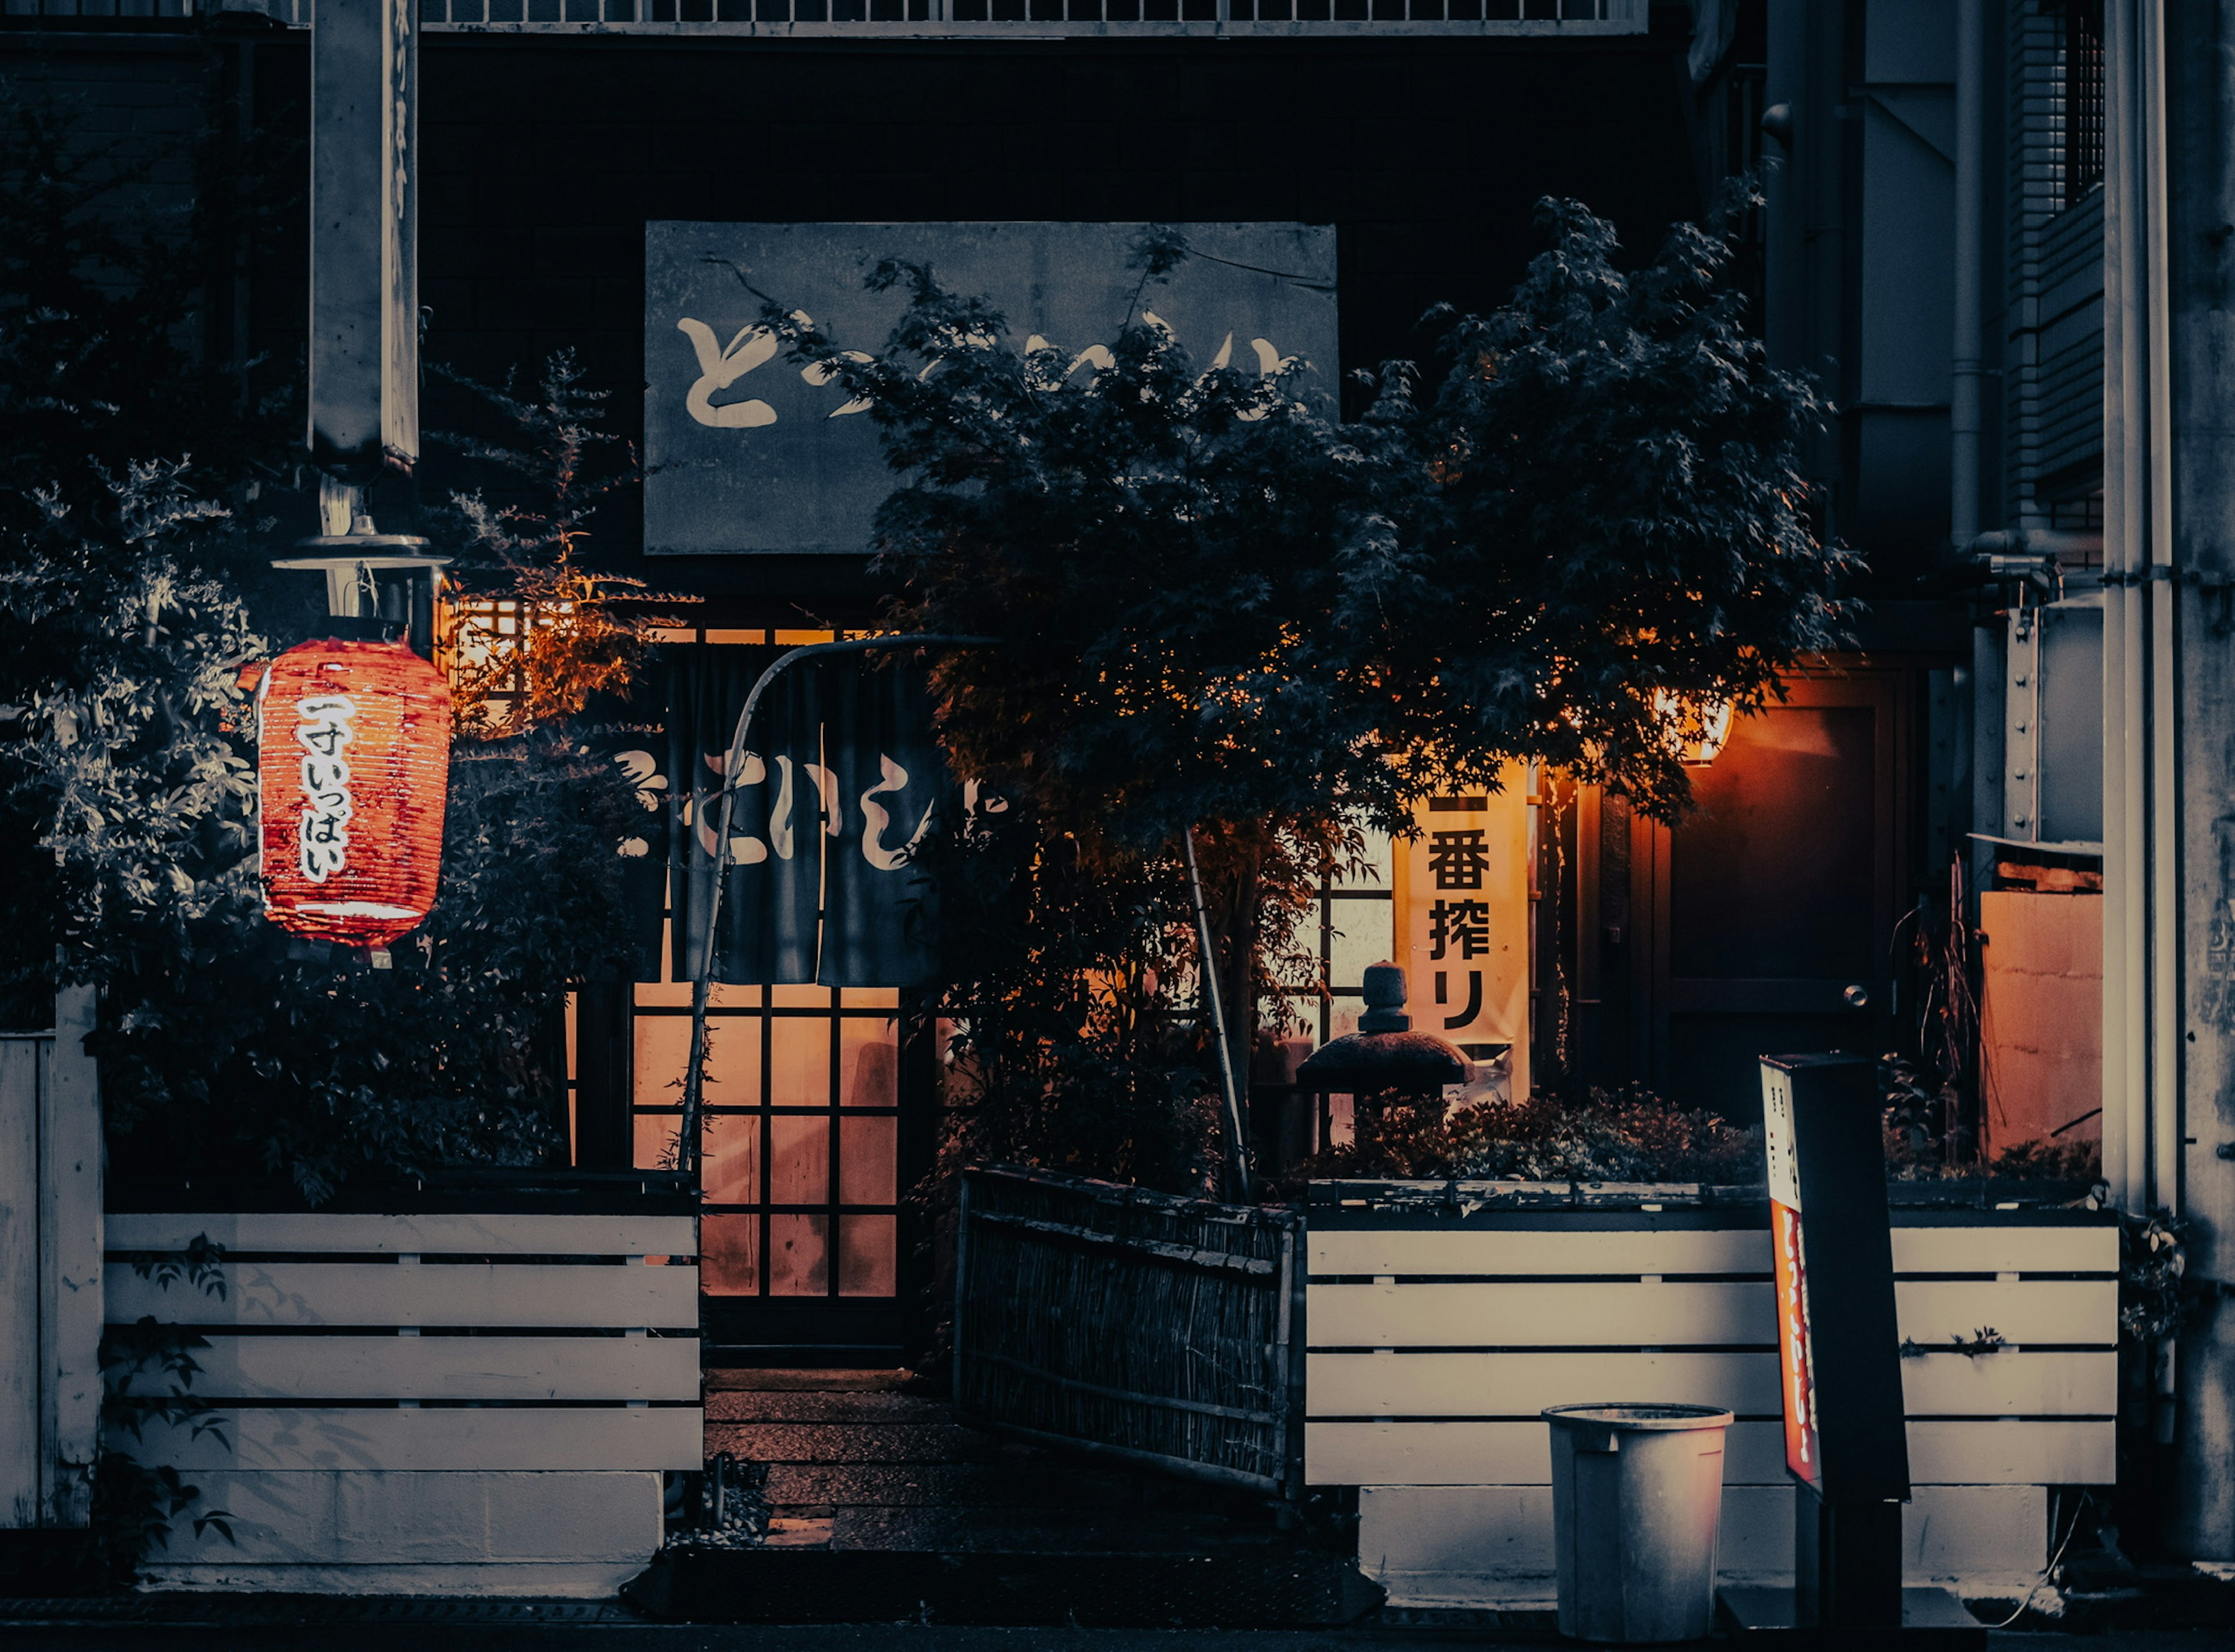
column 433, row 1404
column 1442, row 1318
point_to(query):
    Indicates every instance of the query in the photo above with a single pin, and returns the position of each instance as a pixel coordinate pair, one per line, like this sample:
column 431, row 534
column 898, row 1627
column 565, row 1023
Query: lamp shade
column 353, row 760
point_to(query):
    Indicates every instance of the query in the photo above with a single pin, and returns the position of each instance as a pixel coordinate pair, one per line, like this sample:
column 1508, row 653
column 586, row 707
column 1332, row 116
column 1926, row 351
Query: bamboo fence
column 1131, row 1324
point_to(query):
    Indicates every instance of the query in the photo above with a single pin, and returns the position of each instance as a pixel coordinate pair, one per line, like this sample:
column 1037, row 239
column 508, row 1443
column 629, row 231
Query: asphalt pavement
column 611, row 1632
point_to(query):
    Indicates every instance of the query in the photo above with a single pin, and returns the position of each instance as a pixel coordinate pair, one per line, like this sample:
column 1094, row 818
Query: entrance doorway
column 806, row 1152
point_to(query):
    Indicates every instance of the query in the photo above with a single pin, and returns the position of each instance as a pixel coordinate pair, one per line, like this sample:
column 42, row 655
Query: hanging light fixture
column 1698, row 729
column 353, row 754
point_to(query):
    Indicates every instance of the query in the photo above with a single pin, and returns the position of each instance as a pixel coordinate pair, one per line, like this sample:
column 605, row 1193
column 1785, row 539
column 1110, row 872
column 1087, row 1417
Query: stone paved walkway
column 856, row 1462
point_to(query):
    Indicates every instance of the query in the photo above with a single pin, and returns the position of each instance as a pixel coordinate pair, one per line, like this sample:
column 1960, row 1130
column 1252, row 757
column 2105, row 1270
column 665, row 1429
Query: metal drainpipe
column 2162, row 703
column 2126, row 723
column 1964, row 419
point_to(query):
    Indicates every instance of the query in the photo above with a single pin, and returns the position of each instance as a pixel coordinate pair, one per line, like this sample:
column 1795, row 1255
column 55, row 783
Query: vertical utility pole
column 364, row 433
column 2169, row 679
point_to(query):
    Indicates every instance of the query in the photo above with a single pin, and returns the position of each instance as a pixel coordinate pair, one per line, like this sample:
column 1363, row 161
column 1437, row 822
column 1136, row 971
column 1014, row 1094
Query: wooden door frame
column 1656, row 994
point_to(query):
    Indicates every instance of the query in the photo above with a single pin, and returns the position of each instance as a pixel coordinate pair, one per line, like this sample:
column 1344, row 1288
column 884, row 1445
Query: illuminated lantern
column 1698, row 729
column 353, row 757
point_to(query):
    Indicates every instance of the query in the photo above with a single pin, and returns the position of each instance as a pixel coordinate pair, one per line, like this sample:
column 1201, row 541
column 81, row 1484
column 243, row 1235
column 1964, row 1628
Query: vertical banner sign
column 1462, row 899
column 840, row 787
column 1804, row 1458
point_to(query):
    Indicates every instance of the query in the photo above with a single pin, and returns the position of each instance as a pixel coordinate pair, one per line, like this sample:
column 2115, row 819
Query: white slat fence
column 1435, row 1339
column 440, row 1404
column 50, row 1312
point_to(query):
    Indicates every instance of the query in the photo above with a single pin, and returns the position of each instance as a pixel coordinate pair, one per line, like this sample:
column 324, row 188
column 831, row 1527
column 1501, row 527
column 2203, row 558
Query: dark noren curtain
column 839, row 781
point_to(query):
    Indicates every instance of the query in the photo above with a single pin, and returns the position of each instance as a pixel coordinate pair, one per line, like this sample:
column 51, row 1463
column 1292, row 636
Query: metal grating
column 965, row 18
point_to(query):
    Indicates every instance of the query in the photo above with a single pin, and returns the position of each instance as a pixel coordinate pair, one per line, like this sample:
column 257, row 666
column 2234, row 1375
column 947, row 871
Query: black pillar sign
column 1838, row 1343
column 1846, row 1443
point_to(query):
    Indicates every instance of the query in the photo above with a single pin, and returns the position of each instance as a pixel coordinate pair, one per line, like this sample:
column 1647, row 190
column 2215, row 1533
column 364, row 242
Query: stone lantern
column 1385, row 1061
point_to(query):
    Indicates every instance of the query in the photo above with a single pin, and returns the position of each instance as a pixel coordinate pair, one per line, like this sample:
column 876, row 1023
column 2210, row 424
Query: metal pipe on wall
column 2126, row 501
column 1967, row 368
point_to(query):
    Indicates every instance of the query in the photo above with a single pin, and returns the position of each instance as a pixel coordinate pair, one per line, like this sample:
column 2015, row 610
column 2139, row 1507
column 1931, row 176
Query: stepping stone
column 848, row 1442
column 783, row 1405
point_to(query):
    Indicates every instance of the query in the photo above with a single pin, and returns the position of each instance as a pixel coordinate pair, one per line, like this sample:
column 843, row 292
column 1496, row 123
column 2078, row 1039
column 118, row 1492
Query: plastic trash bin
column 1637, row 1492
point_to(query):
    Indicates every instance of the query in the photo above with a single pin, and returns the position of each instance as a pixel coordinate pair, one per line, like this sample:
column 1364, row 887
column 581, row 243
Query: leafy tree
column 1220, row 609
column 579, row 634
column 1604, row 524
column 134, row 606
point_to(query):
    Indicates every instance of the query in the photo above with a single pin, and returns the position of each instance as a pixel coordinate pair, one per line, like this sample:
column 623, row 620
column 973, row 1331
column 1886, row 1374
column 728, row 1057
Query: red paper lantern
column 353, row 759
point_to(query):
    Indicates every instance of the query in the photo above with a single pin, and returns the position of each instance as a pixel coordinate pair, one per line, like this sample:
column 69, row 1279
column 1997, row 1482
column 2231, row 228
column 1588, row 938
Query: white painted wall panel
column 1973, row 1452
column 324, row 1518
column 1491, row 1546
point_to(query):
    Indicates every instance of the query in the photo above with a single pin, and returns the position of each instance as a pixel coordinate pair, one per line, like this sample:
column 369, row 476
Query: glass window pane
column 1376, row 874
column 799, row 1255
column 868, row 1063
column 866, row 1174
column 870, row 998
column 655, row 1140
column 730, row 1169
column 800, row 998
column 1362, row 937
column 868, row 1258
column 729, row 1255
column 1342, row 1015
column 799, row 1071
column 799, row 1161
column 733, row 1070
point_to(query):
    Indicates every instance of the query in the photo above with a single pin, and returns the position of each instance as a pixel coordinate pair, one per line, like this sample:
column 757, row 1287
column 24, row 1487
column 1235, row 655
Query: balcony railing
column 1005, row 19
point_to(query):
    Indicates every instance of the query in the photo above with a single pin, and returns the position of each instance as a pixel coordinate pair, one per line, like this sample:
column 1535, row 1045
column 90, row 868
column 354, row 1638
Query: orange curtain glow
column 353, row 758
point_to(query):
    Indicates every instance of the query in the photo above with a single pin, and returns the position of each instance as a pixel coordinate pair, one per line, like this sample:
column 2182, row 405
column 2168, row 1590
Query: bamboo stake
column 1237, row 1142
column 694, row 1076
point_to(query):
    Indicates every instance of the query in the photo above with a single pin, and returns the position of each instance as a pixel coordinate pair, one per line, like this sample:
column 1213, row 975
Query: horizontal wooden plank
column 380, row 1293
column 1682, row 1314
column 2064, row 1383
column 2013, row 1453
column 370, row 1518
column 2023, row 1311
column 1521, row 1385
column 445, row 1438
column 1541, row 1315
column 1538, row 1250
column 449, row 1236
column 1699, row 1250
column 1519, row 1453
column 2021, row 1383
column 441, row 1367
column 2006, row 1250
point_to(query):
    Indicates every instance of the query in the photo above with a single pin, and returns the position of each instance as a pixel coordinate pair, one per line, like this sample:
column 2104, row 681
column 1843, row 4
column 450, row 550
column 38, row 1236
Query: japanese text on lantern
column 324, row 733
